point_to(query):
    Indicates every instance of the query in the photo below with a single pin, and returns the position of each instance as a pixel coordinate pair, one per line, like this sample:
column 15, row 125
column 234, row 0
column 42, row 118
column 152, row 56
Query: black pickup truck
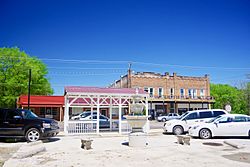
column 19, row 123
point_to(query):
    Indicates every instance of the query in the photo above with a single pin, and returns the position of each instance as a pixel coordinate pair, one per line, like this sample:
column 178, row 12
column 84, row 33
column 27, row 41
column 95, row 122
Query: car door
column 2, row 119
column 241, row 126
column 13, row 123
column 224, row 127
column 190, row 119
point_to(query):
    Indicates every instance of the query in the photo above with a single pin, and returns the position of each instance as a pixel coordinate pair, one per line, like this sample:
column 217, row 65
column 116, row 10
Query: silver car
column 170, row 116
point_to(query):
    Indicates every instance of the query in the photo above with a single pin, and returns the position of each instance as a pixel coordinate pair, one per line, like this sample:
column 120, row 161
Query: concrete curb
column 233, row 144
column 29, row 149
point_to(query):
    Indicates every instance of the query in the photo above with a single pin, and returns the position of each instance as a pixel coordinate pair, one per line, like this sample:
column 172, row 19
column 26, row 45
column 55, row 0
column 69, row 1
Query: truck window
column 10, row 114
column 206, row 114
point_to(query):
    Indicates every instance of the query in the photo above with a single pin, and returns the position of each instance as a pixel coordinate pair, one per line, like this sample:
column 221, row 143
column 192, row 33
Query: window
column 171, row 92
column 42, row 110
column 190, row 93
column 54, row 111
column 151, row 92
column 206, row 114
column 225, row 120
column 202, row 92
column 239, row 119
column 182, row 93
column 194, row 93
column 192, row 116
column 146, row 89
column 217, row 113
column 160, row 92
column 10, row 114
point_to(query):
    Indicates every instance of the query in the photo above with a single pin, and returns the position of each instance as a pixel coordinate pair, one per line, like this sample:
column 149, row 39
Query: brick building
column 170, row 93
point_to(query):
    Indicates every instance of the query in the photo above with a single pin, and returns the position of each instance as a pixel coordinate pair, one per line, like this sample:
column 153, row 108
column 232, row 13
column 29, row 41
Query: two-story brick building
column 170, row 93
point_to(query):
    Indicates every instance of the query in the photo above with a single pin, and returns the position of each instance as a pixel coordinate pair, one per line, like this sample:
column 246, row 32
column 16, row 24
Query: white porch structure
column 98, row 98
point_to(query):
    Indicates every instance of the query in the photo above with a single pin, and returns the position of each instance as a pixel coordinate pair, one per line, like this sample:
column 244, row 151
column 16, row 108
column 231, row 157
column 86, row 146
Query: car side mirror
column 216, row 124
column 17, row 117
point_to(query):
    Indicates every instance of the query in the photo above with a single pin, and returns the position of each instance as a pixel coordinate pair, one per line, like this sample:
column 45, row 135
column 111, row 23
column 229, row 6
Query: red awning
column 41, row 101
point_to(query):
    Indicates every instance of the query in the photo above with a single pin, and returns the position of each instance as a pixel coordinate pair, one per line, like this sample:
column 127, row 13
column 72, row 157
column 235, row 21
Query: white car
column 181, row 125
column 104, row 121
column 223, row 125
column 168, row 117
column 82, row 115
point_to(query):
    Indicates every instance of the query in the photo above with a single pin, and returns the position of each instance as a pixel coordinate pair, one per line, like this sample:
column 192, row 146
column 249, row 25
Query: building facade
column 44, row 106
column 170, row 93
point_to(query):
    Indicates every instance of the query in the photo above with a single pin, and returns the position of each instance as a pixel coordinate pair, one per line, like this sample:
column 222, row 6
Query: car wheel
column 205, row 134
column 163, row 119
column 32, row 134
column 178, row 130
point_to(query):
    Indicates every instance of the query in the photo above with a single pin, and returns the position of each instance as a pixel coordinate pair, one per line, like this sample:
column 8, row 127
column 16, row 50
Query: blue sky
column 154, row 35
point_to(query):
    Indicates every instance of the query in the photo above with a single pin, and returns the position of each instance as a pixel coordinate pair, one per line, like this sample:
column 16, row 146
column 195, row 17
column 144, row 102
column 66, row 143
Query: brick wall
column 156, row 81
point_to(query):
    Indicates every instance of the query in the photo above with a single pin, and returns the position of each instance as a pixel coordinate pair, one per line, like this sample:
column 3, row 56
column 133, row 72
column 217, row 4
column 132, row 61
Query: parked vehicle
column 168, row 117
column 82, row 115
column 223, row 125
column 104, row 122
column 181, row 125
column 19, row 123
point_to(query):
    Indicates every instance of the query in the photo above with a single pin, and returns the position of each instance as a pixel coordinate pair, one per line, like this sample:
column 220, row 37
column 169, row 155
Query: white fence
column 83, row 127
column 76, row 127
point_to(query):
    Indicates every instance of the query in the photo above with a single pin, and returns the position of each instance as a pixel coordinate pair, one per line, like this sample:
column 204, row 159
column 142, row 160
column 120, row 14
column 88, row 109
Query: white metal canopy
column 95, row 97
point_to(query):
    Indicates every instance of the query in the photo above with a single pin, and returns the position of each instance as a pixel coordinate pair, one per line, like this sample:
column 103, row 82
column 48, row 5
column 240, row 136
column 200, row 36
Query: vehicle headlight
column 46, row 125
column 168, row 123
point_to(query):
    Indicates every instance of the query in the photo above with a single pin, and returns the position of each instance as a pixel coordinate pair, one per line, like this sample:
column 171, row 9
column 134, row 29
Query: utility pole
column 129, row 75
column 29, row 89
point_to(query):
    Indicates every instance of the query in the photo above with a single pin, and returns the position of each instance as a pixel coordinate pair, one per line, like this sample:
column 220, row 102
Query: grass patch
column 1, row 163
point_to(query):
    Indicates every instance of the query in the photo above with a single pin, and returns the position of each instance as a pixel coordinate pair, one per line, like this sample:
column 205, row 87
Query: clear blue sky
column 197, row 33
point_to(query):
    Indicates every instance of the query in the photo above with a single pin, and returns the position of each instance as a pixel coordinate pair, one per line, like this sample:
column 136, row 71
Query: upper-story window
column 195, row 93
column 151, row 92
column 202, row 92
column 160, row 92
column 182, row 93
column 190, row 93
column 146, row 89
column 171, row 92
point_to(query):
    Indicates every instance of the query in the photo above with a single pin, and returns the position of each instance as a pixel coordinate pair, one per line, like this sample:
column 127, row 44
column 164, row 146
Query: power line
column 76, row 68
column 146, row 63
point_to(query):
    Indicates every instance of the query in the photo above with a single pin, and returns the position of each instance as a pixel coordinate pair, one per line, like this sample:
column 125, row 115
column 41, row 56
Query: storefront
column 44, row 106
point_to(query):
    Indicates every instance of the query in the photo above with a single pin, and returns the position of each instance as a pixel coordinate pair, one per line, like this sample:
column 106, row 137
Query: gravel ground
column 162, row 150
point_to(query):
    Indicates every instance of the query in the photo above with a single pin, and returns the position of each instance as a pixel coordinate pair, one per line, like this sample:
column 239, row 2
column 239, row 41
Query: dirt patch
column 241, row 157
column 212, row 144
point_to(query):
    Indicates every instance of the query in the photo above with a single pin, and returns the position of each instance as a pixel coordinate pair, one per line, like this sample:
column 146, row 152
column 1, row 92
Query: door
column 191, row 119
column 241, row 126
column 2, row 119
column 48, row 113
column 224, row 127
column 13, row 124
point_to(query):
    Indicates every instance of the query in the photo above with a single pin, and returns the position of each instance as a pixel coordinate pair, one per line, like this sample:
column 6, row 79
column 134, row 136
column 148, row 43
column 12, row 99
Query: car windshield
column 183, row 115
column 27, row 114
column 213, row 119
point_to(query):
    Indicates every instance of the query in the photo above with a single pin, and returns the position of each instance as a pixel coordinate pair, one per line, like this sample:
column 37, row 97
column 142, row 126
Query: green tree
column 226, row 94
column 14, row 76
column 246, row 92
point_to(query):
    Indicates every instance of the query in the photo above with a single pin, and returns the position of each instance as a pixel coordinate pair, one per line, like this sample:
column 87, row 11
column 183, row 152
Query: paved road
column 156, row 125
